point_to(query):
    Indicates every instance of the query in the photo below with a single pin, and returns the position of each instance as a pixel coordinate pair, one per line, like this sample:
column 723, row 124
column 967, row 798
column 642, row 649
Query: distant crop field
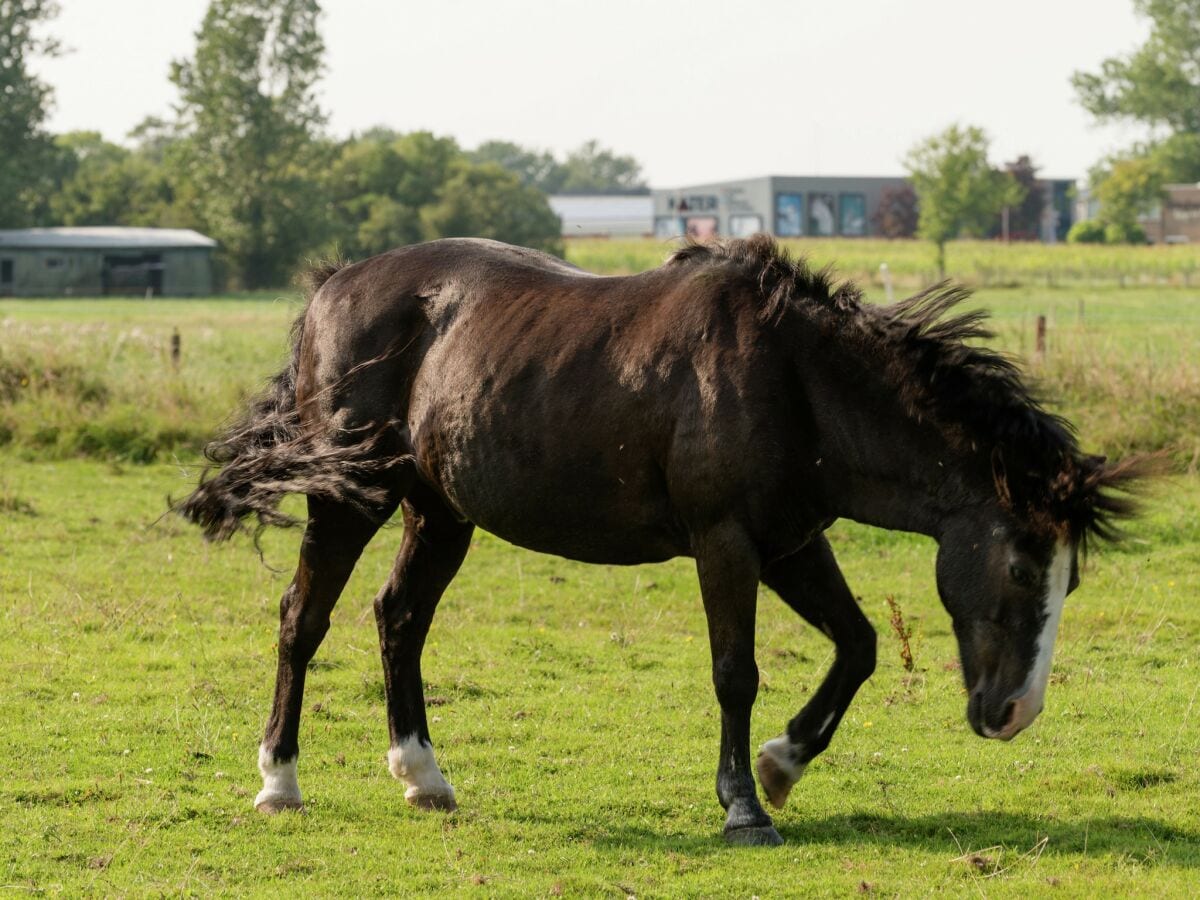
column 571, row 705
column 912, row 263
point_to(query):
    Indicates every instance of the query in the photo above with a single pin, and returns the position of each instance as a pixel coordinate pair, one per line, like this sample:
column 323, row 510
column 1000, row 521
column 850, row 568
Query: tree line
column 246, row 159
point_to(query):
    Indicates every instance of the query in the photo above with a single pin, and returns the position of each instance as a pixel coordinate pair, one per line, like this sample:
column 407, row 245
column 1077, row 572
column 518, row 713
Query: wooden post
column 1040, row 349
column 175, row 348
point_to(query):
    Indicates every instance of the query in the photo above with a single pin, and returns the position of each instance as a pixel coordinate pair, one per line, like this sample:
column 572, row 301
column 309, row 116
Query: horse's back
column 564, row 411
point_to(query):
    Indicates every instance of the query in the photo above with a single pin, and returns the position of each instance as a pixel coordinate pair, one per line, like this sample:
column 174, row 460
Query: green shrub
column 1121, row 233
column 1089, row 231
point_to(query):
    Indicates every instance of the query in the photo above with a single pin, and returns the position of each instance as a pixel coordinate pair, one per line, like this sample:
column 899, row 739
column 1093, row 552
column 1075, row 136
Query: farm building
column 604, row 215
column 56, row 262
column 806, row 206
column 1176, row 220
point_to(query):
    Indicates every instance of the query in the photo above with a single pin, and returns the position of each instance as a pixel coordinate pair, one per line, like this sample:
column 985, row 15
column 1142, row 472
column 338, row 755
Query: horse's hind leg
column 434, row 546
column 810, row 582
column 333, row 541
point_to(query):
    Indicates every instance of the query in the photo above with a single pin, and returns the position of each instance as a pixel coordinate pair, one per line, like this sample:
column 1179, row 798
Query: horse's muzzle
column 1005, row 721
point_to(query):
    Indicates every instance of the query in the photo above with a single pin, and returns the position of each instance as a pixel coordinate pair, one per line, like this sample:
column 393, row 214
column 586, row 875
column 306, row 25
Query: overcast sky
column 701, row 90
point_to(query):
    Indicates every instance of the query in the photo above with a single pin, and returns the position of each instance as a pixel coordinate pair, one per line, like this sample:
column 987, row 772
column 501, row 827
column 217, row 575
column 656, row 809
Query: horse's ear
column 1000, row 478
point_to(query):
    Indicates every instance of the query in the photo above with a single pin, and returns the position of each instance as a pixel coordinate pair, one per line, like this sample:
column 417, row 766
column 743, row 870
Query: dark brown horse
column 728, row 406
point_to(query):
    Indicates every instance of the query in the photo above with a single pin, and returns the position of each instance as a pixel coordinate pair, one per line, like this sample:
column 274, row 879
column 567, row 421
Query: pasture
column 570, row 705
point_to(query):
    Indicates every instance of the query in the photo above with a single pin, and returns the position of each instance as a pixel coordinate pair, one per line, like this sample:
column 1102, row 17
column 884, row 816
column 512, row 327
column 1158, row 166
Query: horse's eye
column 1020, row 575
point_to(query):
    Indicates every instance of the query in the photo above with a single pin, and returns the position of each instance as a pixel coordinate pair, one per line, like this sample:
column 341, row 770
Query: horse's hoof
column 269, row 806
column 753, row 836
column 439, row 802
column 775, row 782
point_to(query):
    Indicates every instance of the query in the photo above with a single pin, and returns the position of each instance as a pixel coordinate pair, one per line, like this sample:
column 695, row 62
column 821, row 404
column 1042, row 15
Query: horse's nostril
column 1009, row 711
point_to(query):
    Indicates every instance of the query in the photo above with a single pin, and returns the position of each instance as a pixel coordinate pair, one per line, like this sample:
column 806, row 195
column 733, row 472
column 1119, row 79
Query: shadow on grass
column 953, row 833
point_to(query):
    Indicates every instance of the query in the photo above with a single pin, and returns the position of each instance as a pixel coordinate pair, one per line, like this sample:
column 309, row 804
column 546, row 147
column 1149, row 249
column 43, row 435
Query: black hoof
column 753, row 836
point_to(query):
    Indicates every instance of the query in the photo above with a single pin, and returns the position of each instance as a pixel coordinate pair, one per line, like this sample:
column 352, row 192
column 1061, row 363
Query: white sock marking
column 784, row 753
column 412, row 762
column 279, row 779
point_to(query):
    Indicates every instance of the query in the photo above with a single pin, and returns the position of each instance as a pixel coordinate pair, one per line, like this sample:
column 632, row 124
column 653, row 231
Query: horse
column 727, row 406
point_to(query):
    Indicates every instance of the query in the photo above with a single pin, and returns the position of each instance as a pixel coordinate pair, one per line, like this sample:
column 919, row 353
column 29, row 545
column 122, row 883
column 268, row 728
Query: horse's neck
column 887, row 469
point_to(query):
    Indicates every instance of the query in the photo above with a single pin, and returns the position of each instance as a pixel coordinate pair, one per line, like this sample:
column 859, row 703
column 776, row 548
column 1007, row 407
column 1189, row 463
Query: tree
column 488, row 201
column 958, row 190
column 1129, row 187
column 105, row 184
column 1157, row 86
column 1025, row 218
column 593, row 169
column 26, row 152
column 896, row 216
column 249, row 117
column 536, row 169
column 1159, row 82
column 378, row 185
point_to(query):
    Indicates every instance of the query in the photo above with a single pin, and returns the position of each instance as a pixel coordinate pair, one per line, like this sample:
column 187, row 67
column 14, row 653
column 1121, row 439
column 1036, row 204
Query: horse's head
column 1006, row 564
column 1004, row 586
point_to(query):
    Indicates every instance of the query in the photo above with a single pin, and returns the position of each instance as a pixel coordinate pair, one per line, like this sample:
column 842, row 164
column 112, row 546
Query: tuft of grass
column 903, row 632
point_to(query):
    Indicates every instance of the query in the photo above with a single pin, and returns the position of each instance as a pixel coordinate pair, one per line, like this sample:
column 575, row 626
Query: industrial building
column 808, row 206
column 87, row 262
column 786, row 206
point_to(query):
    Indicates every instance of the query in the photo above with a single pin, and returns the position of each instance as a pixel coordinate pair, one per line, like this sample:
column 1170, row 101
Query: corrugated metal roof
column 103, row 238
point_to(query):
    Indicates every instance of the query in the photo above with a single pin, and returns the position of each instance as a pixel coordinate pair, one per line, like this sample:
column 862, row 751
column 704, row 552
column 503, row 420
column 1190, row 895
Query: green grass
column 572, row 710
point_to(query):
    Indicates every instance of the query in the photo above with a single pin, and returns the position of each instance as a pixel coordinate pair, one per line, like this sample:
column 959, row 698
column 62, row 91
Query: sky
column 697, row 91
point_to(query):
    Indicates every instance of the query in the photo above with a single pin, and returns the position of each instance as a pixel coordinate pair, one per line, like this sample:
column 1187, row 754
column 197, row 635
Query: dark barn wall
column 46, row 272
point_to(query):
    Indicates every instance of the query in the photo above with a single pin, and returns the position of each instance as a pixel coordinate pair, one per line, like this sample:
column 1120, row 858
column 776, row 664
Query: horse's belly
column 568, row 499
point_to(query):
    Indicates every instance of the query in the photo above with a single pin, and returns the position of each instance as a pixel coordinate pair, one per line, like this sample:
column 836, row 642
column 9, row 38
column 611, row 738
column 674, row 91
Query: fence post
column 1040, row 347
column 175, row 348
column 886, row 274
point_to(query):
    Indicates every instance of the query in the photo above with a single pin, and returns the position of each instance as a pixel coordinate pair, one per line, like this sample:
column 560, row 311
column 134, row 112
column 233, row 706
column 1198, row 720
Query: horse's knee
column 861, row 653
column 735, row 678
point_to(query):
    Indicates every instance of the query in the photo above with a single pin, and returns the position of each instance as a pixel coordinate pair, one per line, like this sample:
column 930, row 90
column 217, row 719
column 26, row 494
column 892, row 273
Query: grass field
column 571, row 705
column 573, row 713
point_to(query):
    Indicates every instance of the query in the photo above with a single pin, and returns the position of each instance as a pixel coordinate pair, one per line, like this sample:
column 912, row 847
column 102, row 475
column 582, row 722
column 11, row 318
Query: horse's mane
column 975, row 396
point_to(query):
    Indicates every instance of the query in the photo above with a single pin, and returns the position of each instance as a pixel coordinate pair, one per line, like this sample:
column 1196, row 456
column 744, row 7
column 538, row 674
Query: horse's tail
column 267, row 453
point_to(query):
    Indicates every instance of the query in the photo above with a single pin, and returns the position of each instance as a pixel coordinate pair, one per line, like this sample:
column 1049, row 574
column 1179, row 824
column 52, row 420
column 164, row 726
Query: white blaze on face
column 1058, row 579
column 412, row 762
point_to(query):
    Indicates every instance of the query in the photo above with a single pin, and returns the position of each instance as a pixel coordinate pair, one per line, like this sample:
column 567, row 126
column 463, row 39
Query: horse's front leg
column 810, row 582
column 728, row 567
